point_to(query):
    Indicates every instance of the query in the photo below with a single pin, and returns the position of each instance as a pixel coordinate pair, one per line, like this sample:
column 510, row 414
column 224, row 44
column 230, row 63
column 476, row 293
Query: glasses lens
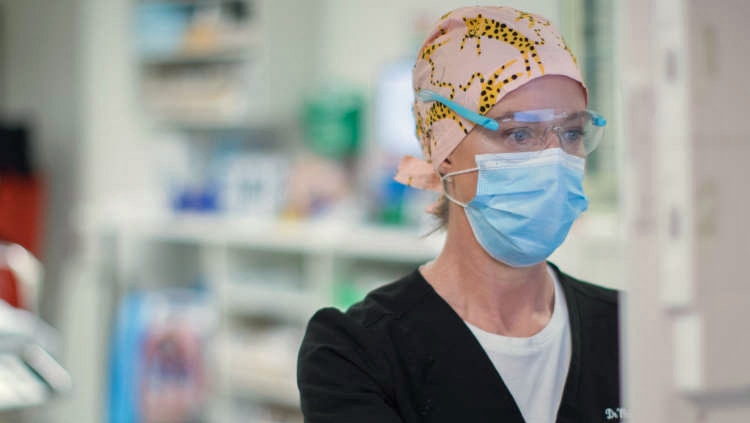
column 579, row 133
column 594, row 138
column 594, row 131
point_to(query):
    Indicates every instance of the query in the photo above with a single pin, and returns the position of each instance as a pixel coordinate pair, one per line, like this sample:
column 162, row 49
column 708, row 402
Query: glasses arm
column 491, row 124
column 597, row 119
column 427, row 95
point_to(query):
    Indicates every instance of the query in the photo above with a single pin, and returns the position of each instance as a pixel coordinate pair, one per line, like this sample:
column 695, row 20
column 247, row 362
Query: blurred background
column 183, row 182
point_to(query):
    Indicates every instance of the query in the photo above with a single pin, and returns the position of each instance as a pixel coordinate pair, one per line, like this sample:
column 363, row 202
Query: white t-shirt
column 534, row 369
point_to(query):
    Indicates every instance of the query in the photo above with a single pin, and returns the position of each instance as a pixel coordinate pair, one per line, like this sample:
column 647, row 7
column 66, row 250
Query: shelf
column 242, row 126
column 355, row 240
column 187, row 2
column 265, row 390
column 234, row 55
column 255, row 300
column 259, row 366
column 388, row 244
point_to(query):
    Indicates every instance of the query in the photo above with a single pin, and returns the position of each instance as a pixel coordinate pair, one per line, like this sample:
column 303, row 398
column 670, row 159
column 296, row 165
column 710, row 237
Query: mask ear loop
column 443, row 179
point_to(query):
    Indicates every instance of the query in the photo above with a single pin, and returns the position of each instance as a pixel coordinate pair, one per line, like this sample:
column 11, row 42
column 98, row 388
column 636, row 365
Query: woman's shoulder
column 360, row 336
column 353, row 354
column 381, row 305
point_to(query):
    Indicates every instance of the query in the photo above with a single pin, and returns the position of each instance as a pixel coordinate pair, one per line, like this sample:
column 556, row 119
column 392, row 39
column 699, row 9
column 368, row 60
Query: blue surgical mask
column 525, row 203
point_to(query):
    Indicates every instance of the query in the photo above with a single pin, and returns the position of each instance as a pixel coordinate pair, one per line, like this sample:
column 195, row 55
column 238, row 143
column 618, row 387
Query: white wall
column 719, row 89
column 114, row 146
column 686, row 210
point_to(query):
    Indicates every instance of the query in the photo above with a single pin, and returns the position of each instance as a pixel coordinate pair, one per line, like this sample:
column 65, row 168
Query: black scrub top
column 403, row 355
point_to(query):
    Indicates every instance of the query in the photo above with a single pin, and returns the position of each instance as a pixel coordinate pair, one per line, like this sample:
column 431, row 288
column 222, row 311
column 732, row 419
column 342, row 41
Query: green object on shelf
column 345, row 294
column 332, row 121
column 392, row 215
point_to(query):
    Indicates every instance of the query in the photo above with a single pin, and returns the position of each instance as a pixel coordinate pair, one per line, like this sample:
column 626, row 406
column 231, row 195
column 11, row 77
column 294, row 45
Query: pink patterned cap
column 475, row 56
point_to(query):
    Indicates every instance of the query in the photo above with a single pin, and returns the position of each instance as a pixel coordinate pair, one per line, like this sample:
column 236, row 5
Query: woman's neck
column 497, row 298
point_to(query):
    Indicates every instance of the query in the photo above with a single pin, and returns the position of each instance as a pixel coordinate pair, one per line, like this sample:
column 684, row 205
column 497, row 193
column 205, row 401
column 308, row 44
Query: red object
column 21, row 205
column 9, row 289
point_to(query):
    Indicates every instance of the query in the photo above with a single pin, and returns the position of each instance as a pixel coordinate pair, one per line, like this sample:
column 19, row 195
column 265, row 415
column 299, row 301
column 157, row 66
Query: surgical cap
column 475, row 56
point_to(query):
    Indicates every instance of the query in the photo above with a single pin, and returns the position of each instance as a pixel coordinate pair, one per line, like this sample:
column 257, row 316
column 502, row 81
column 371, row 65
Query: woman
column 488, row 331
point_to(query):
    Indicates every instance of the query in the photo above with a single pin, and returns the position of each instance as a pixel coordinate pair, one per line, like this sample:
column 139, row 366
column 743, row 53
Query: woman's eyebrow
column 505, row 116
column 512, row 116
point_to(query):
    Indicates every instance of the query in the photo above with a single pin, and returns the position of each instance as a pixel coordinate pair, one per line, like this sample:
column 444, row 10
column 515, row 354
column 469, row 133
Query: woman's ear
column 445, row 166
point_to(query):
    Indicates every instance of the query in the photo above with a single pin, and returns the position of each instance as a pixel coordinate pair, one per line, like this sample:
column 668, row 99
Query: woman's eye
column 572, row 135
column 518, row 136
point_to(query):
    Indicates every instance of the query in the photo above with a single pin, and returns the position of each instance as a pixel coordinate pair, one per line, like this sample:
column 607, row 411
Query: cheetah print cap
column 475, row 56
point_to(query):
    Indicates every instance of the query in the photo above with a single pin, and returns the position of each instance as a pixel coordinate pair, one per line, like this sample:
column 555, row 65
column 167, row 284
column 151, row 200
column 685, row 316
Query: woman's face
column 547, row 92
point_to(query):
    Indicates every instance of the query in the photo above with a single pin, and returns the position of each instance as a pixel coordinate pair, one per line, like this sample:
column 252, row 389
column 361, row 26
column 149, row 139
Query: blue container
column 161, row 28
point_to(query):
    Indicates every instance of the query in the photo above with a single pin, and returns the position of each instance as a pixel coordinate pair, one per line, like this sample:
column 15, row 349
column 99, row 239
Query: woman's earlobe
column 445, row 166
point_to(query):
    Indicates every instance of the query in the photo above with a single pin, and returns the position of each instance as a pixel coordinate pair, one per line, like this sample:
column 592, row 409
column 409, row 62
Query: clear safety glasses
column 578, row 132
